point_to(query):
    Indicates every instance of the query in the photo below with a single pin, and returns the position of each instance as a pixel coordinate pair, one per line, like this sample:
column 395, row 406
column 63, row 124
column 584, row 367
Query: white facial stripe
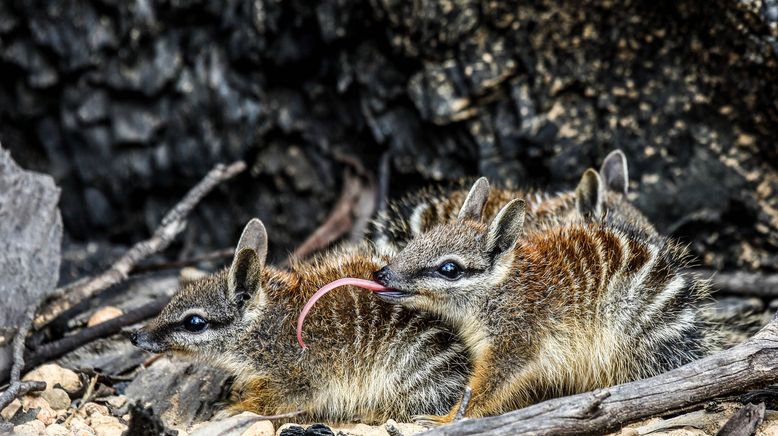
column 415, row 221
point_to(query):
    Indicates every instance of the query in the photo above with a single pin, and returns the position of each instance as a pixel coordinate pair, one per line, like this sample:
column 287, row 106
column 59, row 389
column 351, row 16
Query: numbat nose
column 383, row 276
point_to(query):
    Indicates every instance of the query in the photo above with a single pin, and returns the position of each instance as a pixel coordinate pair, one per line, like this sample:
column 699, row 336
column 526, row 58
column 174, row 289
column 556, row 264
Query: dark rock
column 293, row 430
column 7, row 20
column 30, row 237
column 98, row 208
column 143, row 420
column 179, row 392
column 319, row 430
column 147, row 73
column 94, row 108
column 29, row 58
column 134, row 123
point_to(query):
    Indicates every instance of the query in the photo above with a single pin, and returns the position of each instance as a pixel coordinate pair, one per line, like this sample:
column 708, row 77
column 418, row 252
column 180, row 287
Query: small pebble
column 53, row 375
column 107, row 425
column 80, row 427
column 57, row 430
column 10, row 410
column 92, row 409
column 261, row 428
column 57, row 398
column 34, row 402
column 33, row 428
column 46, row 415
column 103, row 314
column 116, row 401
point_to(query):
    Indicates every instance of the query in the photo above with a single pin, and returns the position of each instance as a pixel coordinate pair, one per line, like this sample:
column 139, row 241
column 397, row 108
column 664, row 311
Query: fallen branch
column 16, row 387
column 104, row 329
column 172, row 224
column 224, row 253
column 741, row 282
column 339, row 222
column 751, row 364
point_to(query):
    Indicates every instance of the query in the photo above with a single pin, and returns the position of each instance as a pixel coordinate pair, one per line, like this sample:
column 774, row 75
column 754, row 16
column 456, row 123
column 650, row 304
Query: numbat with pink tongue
column 552, row 311
column 368, row 360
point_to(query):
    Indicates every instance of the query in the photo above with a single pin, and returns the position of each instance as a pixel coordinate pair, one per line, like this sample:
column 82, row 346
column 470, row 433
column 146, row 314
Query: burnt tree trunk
column 128, row 104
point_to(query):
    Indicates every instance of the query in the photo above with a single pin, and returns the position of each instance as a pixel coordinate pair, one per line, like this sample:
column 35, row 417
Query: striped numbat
column 598, row 195
column 368, row 360
column 552, row 311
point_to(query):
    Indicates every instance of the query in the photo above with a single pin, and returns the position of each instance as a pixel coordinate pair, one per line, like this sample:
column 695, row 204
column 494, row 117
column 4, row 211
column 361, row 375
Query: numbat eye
column 450, row 270
column 195, row 323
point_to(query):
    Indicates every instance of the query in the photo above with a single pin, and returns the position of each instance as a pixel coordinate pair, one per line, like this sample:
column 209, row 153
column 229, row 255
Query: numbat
column 598, row 195
column 369, row 360
column 552, row 311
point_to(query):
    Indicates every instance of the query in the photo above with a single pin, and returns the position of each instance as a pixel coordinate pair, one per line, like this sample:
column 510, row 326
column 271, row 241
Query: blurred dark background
column 129, row 103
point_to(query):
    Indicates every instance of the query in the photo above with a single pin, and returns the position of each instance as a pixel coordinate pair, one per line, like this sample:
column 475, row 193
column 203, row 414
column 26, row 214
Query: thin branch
column 337, row 224
column 223, row 253
column 104, row 329
column 742, row 282
column 751, row 364
column 172, row 224
column 16, row 386
column 463, row 404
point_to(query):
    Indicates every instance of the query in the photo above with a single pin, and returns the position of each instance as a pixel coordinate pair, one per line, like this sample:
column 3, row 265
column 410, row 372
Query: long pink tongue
column 361, row 283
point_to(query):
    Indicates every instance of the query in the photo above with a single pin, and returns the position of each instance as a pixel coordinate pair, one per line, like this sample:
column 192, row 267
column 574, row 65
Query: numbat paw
column 432, row 420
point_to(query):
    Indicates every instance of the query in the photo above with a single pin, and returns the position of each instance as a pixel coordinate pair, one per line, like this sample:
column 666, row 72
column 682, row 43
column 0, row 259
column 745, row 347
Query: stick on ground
column 67, row 344
column 751, row 364
column 338, row 223
column 743, row 282
column 16, row 387
column 172, row 224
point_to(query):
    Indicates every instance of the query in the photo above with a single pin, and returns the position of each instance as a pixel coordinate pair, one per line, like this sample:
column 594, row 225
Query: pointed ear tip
column 616, row 156
column 591, row 175
column 255, row 225
column 255, row 222
column 482, row 181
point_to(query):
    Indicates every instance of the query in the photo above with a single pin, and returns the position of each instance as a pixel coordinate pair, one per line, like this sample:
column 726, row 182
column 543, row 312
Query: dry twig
column 743, row 282
column 104, row 329
column 339, row 222
column 172, row 224
column 16, row 387
column 751, row 364
column 223, row 253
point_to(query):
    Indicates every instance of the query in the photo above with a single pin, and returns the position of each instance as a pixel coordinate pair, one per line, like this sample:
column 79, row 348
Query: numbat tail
column 369, row 360
column 599, row 195
column 552, row 311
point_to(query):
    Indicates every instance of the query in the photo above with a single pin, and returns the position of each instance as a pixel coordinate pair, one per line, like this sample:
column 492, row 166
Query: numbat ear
column 474, row 204
column 250, row 255
column 614, row 172
column 506, row 227
column 590, row 194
